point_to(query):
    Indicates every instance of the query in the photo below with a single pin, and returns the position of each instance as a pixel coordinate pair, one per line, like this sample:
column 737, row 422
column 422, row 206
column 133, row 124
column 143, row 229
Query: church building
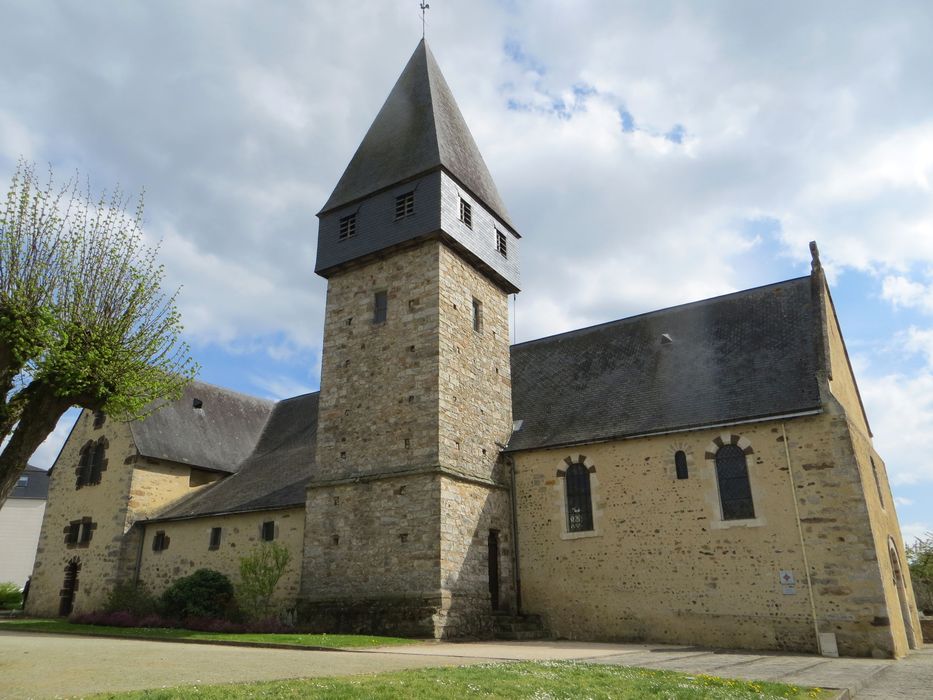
column 702, row 474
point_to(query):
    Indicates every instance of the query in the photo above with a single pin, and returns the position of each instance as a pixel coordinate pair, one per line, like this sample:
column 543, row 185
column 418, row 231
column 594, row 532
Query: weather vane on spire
column 424, row 7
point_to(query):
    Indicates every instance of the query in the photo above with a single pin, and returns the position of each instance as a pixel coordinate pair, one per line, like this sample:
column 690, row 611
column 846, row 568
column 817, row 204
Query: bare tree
column 83, row 318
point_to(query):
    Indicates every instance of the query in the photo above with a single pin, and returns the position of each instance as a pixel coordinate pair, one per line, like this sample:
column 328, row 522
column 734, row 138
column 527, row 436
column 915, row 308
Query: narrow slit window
column 477, row 315
column 380, row 307
column 874, row 470
column 680, row 464
column 502, row 244
column 735, row 489
column 268, row 531
column 466, row 213
column 215, row 538
column 404, row 205
column 99, row 419
column 347, row 227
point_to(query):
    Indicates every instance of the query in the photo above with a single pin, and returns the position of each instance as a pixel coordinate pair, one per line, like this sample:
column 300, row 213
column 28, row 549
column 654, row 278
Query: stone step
column 519, row 627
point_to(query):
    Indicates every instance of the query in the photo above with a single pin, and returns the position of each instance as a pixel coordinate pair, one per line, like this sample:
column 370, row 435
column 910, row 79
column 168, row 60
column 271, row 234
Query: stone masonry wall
column 475, row 395
column 378, row 404
column 105, row 503
column 896, row 618
column 189, row 548
column 469, row 512
column 371, row 555
column 131, row 488
column 900, row 605
column 662, row 565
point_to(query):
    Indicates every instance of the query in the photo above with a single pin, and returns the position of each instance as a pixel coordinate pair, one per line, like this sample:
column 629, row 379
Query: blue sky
column 651, row 153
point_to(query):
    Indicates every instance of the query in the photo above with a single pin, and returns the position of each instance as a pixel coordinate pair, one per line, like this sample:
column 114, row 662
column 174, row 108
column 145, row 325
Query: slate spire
column 419, row 129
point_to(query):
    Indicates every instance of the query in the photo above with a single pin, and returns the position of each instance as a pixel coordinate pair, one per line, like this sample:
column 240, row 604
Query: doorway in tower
column 69, row 587
column 494, row 569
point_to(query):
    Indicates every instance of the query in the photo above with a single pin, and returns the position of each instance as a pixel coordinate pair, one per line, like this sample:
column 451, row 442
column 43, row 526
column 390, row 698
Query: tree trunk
column 41, row 411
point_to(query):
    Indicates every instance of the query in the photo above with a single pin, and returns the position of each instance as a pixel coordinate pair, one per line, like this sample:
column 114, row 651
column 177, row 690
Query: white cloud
column 900, row 408
column 279, row 386
column 902, row 291
column 915, row 530
column 48, row 451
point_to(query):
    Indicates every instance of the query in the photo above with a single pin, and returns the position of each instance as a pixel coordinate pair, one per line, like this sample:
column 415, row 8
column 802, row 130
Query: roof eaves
column 815, row 410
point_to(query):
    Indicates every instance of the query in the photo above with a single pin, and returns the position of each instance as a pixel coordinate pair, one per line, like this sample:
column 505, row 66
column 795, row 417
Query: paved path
column 44, row 665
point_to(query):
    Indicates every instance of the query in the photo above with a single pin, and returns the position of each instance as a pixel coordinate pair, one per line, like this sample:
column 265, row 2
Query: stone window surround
column 716, row 521
column 87, row 455
column 78, row 533
column 561, row 498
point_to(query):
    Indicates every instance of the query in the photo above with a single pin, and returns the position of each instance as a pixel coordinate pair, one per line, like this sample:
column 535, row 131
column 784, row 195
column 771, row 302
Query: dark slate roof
column 419, row 128
column 37, row 484
column 218, row 436
column 746, row 355
column 275, row 473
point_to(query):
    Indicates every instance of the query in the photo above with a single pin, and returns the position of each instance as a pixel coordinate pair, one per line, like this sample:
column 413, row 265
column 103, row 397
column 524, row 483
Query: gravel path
column 47, row 666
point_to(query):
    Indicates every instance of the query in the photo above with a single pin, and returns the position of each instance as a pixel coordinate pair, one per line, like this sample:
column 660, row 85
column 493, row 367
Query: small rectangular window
column 215, row 538
column 160, row 541
column 466, row 213
column 347, row 227
column 502, row 244
column 22, row 482
column 404, row 205
column 72, row 532
column 268, row 531
column 477, row 315
column 87, row 531
column 380, row 307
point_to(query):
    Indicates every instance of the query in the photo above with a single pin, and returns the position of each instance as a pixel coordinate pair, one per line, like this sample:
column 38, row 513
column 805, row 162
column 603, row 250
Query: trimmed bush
column 134, row 599
column 11, row 597
column 204, row 594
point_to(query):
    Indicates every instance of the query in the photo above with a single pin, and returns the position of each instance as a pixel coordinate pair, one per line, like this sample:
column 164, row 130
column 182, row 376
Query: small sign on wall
column 788, row 582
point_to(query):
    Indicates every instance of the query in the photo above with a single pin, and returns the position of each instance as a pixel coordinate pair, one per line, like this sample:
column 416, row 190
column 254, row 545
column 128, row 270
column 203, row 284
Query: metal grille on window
column 579, row 500
column 160, row 541
column 268, row 531
column 466, row 213
column 680, row 464
column 347, row 227
column 735, row 490
column 404, row 205
column 380, row 307
column 502, row 244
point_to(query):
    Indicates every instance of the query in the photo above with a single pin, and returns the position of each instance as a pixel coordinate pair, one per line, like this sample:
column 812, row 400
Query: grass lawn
column 540, row 681
column 330, row 641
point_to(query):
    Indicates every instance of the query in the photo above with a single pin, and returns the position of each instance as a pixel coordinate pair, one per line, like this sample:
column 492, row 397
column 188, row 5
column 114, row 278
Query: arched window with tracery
column 579, row 498
column 735, row 489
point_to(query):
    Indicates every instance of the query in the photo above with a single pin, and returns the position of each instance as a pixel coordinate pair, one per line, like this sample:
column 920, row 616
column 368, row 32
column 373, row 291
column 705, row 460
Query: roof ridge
column 596, row 326
column 228, row 390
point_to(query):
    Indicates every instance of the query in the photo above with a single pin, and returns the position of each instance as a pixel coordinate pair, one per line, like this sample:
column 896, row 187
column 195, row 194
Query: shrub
column 135, row 599
column 11, row 597
column 260, row 572
column 205, row 593
column 920, row 561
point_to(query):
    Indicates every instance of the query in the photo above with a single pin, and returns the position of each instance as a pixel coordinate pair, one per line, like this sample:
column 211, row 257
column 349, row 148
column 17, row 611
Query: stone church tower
column 409, row 517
